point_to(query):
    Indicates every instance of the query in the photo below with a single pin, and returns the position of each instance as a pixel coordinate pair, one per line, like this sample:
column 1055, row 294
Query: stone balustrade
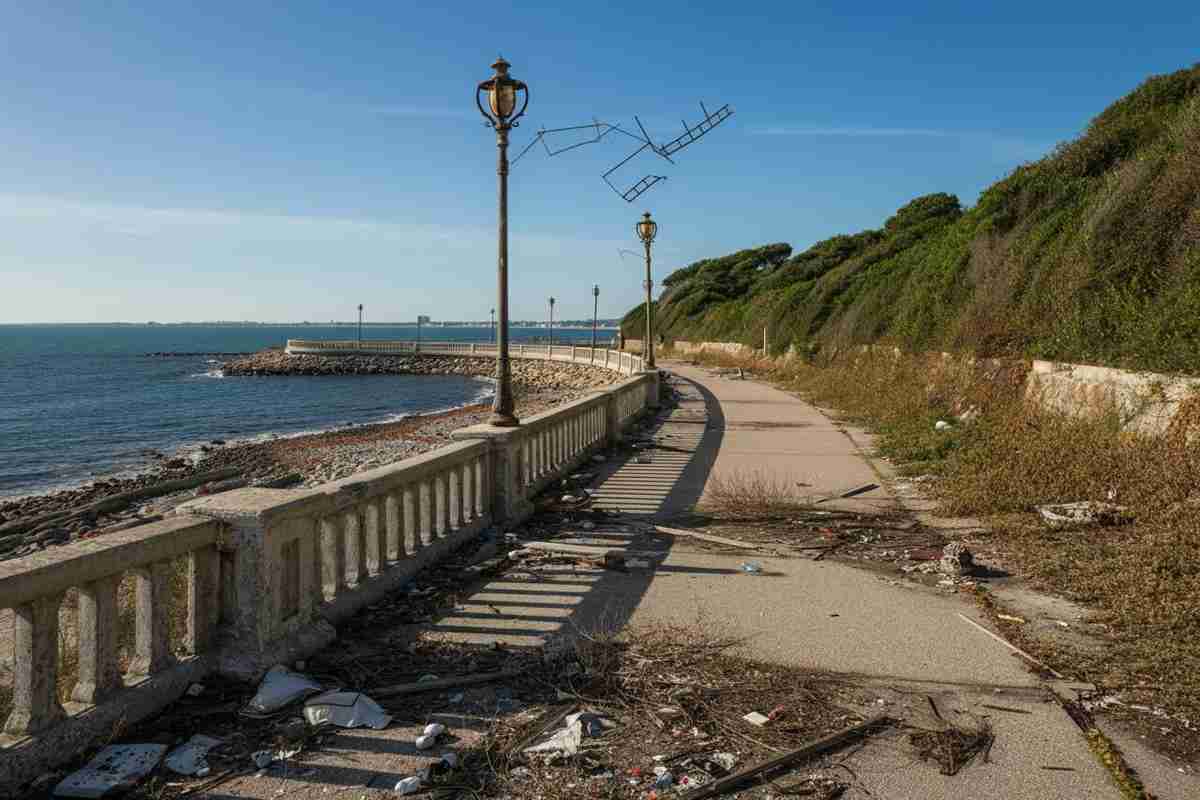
column 625, row 363
column 268, row 571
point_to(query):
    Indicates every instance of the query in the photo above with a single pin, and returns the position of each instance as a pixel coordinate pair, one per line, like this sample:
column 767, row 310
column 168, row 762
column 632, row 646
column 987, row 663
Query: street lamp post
column 360, row 324
column 595, row 314
column 493, row 326
column 647, row 229
column 552, row 326
column 502, row 114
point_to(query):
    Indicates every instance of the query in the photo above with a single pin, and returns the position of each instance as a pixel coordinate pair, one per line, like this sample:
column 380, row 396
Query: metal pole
column 648, row 350
column 360, row 324
column 418, row 332
column 493, row 326
column 552, row 325
column 502, row 407
column 595, row 312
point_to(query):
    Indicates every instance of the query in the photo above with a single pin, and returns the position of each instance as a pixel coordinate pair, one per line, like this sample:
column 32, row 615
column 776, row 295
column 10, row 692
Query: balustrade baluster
column 377, row 543
column 99, row 674
column 333, row 558
column 428, row 526
column 204, row 586
column 35, row 703
column 442, row 505
column 356, row 545
column 467, row 501
column 151, row 638
column 454, row 519
column 482, row 487
column 394, row 549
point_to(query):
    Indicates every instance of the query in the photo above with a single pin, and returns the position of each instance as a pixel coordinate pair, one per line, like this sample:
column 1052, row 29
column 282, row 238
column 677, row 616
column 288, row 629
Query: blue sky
column 286, row 161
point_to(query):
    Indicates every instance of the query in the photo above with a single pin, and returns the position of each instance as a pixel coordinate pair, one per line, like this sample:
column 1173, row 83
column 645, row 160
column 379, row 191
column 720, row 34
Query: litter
column 750, row 567
column 1086, row 512
column 118, row 767
column 941, row 425
column 755, row 718
column 956, row 560
column 727, row 761
column 280, row 687
column 190, row 757
column 577, row 727
column 346, row 710
column 429, row 736
column 410, row 785
column 1010, row 618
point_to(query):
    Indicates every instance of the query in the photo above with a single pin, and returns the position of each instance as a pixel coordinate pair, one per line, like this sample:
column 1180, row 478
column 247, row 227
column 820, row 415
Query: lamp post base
column 500, row 419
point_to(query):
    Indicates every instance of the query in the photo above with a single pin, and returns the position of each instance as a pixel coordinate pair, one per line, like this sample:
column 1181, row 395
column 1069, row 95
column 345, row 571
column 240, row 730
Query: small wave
column 212, row 373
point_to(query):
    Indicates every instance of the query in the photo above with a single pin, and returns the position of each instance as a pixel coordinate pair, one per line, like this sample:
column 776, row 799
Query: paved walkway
column 904, row 642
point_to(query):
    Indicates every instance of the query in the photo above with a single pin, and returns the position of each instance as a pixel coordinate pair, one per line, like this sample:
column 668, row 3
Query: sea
column 82, row 402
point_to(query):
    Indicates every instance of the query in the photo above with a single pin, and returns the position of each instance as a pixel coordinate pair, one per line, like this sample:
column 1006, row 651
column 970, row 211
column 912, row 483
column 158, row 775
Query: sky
column 286, row 161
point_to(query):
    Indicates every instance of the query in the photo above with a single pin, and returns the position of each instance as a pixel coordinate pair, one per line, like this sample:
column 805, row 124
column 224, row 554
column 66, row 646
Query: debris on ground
column 280, row 688
column 190, row 757
column 956, row 560
column 954, row 746
column 345, row 710
column 1086, row 512
column 429, row 737
column 569, row 738
column 116, row 768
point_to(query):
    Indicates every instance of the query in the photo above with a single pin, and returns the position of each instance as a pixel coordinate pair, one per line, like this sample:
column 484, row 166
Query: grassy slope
column 1091, row 254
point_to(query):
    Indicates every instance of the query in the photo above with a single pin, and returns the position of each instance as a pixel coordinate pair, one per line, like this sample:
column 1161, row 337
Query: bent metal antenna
column 691, row 133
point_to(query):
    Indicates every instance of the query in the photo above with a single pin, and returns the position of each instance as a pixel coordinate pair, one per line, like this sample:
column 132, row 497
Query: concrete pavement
column 904, row 640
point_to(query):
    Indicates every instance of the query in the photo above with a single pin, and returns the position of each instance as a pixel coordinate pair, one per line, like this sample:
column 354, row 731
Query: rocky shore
column 32, row 523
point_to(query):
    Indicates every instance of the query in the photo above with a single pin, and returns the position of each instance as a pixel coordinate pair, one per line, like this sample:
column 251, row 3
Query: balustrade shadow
column 530, row 607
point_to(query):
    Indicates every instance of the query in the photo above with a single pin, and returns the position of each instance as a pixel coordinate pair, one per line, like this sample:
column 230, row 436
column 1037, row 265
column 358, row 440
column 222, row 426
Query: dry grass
column 750, row 495
column 1143, row 578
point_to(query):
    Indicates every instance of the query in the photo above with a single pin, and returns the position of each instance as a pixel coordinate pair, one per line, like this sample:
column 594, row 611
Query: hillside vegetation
column 1091, row 254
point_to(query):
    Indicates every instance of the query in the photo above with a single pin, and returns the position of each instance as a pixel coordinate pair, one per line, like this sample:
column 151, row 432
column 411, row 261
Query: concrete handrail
column 276, row 567
column 625, row 363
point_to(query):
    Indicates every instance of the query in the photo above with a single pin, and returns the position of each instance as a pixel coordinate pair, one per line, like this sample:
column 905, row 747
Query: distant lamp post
column 595, row 313
column 551, row 324
column 647, row 229
column 502, row 114
column 493, row 326
column 360, row 324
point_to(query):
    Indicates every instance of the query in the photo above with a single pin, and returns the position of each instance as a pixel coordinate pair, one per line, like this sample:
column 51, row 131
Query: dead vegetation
column 1000, row 457
column 750, row 495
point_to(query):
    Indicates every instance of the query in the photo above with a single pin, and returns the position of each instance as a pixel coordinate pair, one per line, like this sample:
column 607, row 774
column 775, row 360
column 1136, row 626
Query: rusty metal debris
column 597, row 130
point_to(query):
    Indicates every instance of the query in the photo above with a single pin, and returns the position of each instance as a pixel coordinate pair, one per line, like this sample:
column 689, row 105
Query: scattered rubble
column 1086, row 512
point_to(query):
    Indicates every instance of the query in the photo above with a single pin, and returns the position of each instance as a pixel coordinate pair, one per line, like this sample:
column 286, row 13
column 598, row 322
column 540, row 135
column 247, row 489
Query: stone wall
column 1147, row 402
column 730, row 348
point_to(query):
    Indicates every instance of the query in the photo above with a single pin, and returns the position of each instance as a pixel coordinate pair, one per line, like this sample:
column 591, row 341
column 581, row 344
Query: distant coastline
column 610, row 325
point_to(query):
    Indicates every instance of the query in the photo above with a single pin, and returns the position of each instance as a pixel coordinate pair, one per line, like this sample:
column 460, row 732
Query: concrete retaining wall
column 730, row 348
column 1146, row 401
